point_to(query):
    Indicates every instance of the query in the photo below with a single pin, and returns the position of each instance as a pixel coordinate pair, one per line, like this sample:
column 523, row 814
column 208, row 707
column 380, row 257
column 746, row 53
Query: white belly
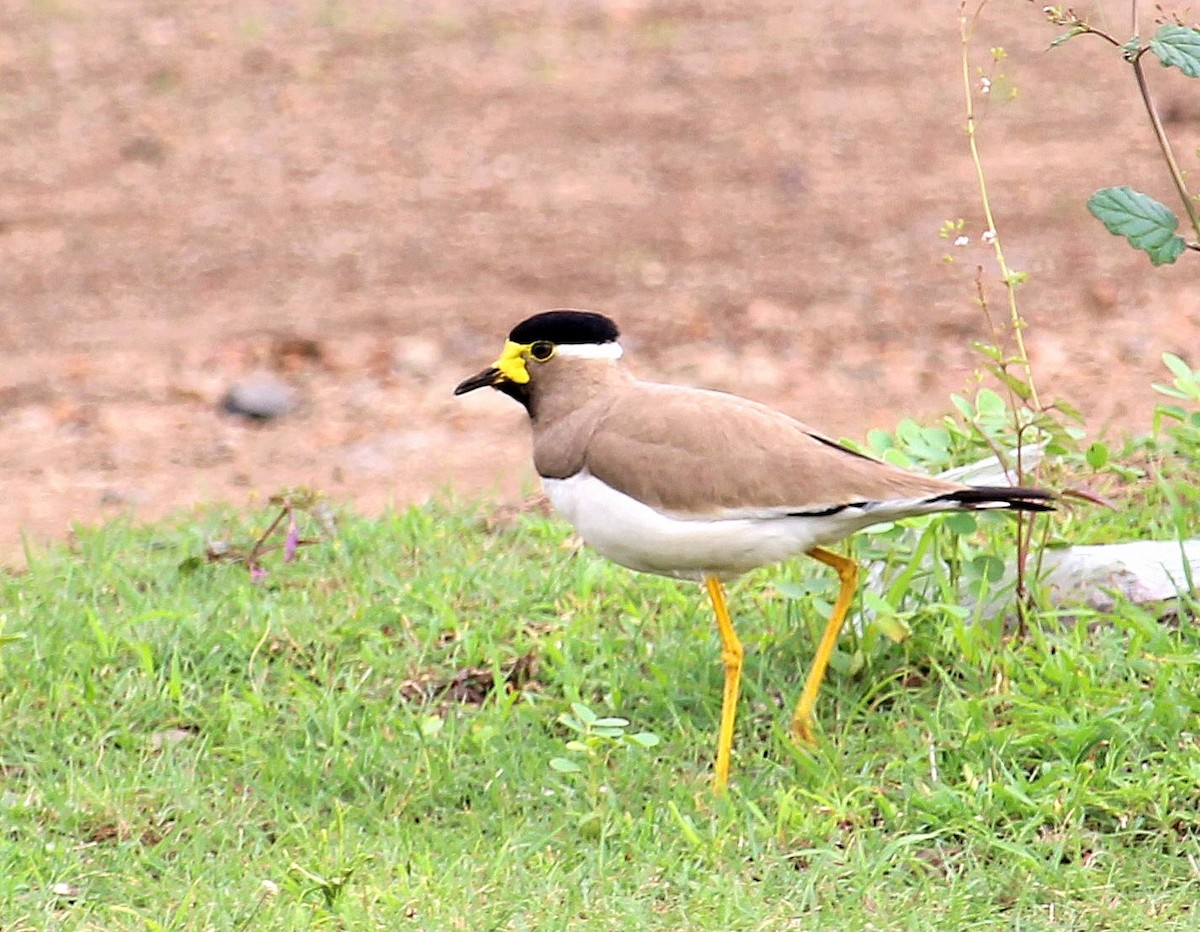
column 635, row 535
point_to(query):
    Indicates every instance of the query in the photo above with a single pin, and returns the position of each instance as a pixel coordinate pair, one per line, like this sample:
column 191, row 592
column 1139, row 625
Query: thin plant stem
column 1024, row 529
column 1165, row 145
column 1159, row 132
column 1009, row 279
column 259, row 545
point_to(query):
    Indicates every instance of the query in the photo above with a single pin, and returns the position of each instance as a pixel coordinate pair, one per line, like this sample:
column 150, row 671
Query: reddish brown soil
column 189, row 192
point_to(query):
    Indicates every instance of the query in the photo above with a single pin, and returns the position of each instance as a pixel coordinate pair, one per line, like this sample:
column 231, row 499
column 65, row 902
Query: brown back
column 689, row 451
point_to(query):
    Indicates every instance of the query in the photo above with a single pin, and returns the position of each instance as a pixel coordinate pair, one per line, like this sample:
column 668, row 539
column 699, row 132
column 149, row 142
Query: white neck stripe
column 589, row 350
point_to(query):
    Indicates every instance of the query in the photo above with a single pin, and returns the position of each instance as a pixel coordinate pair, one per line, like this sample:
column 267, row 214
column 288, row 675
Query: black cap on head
column 565, row 326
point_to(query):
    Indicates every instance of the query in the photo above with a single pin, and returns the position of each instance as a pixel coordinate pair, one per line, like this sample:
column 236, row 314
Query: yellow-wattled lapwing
column 700, row 484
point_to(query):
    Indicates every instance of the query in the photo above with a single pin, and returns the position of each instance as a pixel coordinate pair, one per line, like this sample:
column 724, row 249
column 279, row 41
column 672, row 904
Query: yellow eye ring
column 541, row 351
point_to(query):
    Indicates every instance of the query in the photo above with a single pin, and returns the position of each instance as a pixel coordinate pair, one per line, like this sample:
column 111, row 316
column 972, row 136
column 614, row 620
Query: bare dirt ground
column 364, row 196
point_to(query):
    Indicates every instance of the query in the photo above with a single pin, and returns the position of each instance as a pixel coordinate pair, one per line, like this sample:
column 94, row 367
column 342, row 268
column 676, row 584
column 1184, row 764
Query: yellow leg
column 731, row 653
column 847, row 570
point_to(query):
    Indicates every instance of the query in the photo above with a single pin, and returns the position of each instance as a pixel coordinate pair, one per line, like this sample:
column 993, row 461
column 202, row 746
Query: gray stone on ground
column 261, row 396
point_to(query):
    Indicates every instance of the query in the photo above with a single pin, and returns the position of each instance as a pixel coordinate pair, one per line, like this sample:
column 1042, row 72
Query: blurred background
column 336, row 210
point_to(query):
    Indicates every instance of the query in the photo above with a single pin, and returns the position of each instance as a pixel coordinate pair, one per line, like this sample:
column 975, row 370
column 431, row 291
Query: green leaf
column 583, row 713
column 1015, row 385
column 936, row 438
column 992, row 352
column 896, row 458
column 1147, row 224
column 1178, row 46
column 961, row 523
column 908, row 432
column 591, row 825
column 610, row 722
column 989, row 567
column 687, row 826
column 989, row 404
column 1067, row 410
column 1169, row 391
column 431, row 725
column 793, row 590
column 1186, row 386
column 891, row 626
column 965, row 408
column 563, row 765
column 190, row 565
column 1180, row 369
column 879, row 440
column 645, row 739
column 1174, row 412
column 1068, row 36
column 1097, row 456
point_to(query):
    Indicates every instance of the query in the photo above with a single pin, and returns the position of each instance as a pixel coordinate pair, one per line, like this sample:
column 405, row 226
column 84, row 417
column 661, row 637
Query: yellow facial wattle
column 512, row 362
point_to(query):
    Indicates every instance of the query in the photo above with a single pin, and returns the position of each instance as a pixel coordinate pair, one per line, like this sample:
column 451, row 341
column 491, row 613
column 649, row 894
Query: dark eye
column 541, row 350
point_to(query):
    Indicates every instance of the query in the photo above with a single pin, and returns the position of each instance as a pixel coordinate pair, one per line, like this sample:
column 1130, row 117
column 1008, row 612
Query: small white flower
column 985, row 85
column 988, row 236
column 269, row 888
column 962, row 241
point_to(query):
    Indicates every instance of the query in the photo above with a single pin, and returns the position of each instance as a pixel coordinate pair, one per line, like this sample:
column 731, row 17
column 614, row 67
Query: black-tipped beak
column 489, row 376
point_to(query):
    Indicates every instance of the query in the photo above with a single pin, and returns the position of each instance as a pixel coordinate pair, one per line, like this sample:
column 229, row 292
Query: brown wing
column 690, row 451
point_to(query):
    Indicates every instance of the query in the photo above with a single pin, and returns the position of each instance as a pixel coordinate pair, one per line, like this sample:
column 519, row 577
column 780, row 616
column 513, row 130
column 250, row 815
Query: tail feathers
column 1009, row 497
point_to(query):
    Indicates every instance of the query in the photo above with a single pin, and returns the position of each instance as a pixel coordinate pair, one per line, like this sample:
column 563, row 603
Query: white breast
column 635, row 535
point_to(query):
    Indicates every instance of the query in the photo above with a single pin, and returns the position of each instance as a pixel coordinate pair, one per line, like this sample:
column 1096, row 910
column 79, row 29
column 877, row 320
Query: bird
column 698, row 484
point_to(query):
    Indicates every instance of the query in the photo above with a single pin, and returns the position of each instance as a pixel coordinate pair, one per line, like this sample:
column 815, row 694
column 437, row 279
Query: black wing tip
column 1011, row 497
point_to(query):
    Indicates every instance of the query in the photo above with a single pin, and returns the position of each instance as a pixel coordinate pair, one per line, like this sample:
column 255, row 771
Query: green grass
column 171, row 739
